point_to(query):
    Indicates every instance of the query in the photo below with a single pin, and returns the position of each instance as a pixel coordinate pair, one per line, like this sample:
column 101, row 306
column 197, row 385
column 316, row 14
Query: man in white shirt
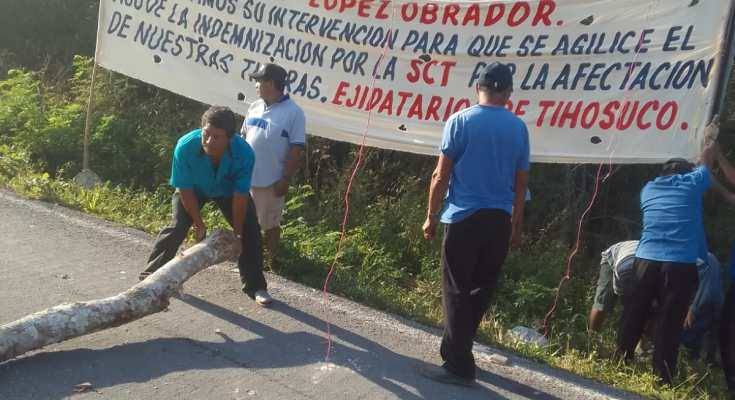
column 616, row 275
column 275, row 127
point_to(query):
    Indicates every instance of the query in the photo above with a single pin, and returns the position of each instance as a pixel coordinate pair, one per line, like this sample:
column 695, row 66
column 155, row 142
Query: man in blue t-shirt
column 483, row 172
column 665, row 266
column 214, row 164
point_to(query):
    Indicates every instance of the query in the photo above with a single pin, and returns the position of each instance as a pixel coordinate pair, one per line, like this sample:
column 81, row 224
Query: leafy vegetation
column 385, row 262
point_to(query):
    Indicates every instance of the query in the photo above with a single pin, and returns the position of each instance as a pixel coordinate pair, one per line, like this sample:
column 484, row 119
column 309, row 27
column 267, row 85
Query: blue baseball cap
column 496, row 77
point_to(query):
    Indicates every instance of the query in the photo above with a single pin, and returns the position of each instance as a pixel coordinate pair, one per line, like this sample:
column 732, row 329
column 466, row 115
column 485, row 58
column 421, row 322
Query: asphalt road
column 215, row 343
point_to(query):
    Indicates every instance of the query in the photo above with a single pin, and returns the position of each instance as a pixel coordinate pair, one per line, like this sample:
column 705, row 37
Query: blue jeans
column 703, row 330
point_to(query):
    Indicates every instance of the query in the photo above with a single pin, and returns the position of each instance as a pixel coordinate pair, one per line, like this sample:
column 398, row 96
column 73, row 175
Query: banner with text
column 626, row 81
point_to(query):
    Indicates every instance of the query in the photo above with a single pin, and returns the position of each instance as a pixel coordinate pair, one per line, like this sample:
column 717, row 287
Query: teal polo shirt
column 193, row 169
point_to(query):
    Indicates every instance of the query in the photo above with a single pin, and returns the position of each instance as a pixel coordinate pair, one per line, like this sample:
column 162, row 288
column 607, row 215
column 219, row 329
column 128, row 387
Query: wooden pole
column 87, row 120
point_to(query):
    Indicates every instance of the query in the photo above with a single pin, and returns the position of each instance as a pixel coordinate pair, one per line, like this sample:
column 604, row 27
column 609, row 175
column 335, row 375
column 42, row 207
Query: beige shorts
column 268, row 206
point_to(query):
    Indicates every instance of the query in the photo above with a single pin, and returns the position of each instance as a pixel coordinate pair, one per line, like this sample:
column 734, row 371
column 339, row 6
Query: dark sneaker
column 440, row 374
column 143, row 275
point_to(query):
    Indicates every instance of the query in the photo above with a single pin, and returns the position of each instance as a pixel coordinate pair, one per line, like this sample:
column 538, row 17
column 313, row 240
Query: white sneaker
column 263, row 298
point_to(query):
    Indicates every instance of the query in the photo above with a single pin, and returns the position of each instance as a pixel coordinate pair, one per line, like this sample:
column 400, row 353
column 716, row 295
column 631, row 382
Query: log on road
column 150, row 296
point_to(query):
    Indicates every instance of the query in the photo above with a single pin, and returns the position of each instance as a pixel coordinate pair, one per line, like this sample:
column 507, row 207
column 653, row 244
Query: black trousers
column 250, row 262
column 473, row 253
column 727, row 339
column 672, row 286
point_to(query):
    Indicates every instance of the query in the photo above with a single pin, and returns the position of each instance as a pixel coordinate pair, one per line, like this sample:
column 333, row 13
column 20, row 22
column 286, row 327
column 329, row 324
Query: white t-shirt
column 619, row 252
column 620, row 257
column 271, row 131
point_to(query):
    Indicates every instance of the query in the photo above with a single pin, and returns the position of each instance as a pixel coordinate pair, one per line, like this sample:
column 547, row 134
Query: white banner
column 627, row 81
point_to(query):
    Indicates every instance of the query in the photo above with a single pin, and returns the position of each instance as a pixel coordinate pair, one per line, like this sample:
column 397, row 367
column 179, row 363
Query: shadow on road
column 51, row 375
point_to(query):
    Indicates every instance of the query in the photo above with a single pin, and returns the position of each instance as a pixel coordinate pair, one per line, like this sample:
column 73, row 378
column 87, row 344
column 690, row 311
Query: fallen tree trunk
column 152, row 295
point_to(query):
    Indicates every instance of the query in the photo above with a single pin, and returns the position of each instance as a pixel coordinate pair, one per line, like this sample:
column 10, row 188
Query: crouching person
column 616, row 275
column 214, row 164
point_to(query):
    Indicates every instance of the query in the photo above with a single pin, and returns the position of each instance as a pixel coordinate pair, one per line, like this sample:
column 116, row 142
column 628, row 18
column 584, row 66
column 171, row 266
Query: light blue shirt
column 709, row 292
column 487, row 145
column 193, row 169
column 673, row 229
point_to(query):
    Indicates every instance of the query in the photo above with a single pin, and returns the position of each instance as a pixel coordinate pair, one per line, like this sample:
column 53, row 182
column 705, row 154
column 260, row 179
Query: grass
column 386, row 264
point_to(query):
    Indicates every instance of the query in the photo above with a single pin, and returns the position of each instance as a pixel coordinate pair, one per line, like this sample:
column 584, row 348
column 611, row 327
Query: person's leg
column 696, row 338
column 170, row 238
column 727, row 339
column 637, row 305
column 458, row 263
column 645, row 344
column 270, row 211
column 711, row 327
column 495, row 229
column 250, row 262
column 679, row 284
column 272, row 238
